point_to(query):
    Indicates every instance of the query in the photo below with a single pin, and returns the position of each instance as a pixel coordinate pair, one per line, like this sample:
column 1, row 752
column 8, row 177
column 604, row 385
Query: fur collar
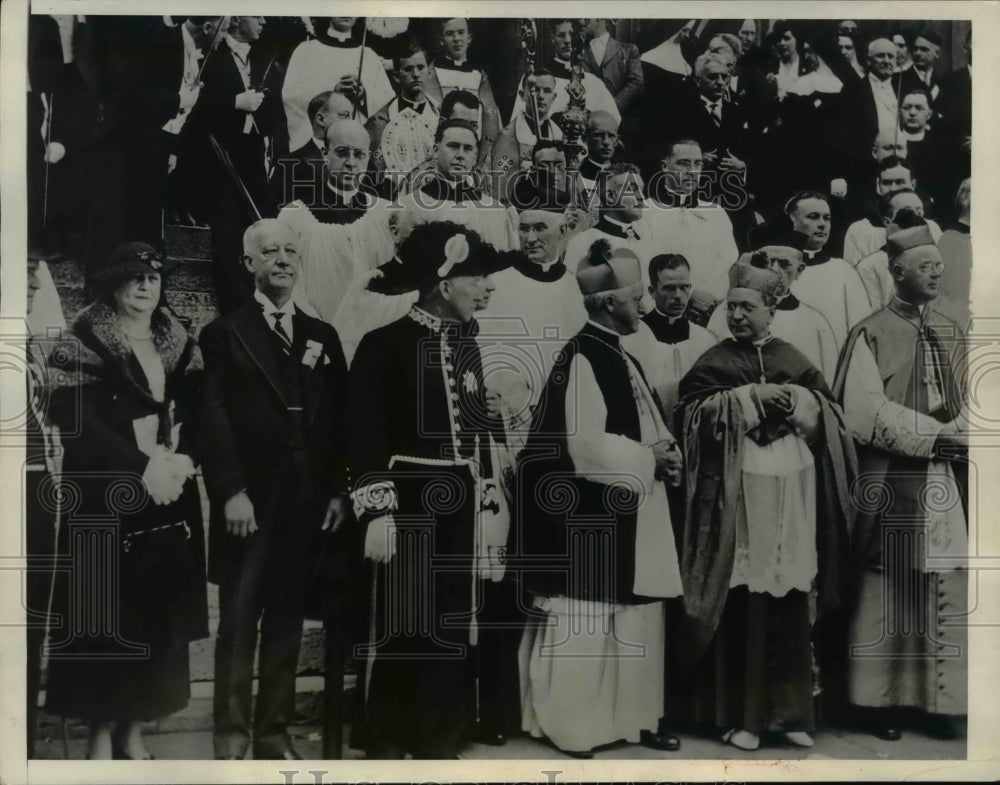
column 97, row 342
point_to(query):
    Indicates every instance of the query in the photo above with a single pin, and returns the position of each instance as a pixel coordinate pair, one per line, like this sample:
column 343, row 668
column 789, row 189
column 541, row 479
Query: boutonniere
column 314, row 350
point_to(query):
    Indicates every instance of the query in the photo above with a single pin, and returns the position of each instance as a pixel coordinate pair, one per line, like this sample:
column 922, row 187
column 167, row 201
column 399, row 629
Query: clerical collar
column 762, row 341
column 913, row 137
column 547, row 126
column 670, row 198
column 405, row 103
column 345, row 196
column 453, row 65
column 438, row 187
column 332, row 37
column 813, row 258
column 607, row 330
column 592, row 167
column 907, row 309
column 788, row 303
column 612, row 226
column 240, row 48
column 560, row 68
column 667, row 329
column 546, row 272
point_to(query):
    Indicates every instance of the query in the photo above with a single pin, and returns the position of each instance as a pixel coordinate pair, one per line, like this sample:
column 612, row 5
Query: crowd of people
column 590, row 444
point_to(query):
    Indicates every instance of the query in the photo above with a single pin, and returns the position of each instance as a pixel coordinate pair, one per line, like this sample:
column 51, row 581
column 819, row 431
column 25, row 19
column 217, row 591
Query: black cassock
column 418, row 421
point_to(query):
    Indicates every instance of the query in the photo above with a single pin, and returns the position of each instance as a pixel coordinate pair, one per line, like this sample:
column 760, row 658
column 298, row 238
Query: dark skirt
column 131, row 598
column 756, row 675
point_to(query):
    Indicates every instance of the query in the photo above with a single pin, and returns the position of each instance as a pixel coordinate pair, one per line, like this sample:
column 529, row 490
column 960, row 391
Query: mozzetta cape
column 713, row 444
column 563, row 517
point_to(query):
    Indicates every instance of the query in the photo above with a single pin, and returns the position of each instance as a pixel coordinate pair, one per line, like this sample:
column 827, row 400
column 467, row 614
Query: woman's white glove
column 380, row 539
column 161, row 479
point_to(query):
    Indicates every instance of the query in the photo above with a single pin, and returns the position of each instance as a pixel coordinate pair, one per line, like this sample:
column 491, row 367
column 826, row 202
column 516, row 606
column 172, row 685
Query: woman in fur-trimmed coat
column 132, row 594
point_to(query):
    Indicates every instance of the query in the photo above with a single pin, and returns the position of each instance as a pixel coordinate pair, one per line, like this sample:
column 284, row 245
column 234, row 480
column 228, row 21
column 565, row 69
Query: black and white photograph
column 498, row 388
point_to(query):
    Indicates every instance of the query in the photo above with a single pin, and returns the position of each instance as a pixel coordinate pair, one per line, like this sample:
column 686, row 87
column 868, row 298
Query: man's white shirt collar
column 270, row 308
column 190, row 47
column 880, row 84
column 240, row 48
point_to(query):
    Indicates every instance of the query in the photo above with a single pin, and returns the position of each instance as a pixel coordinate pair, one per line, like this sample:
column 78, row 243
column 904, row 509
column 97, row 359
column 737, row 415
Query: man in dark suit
column 161, row 89
column 926, row 52
column 723, row 128
column 719, row 123
column 617, row 64
column 234, row 109
column 954, row 108
column 869, row 108
column 273, row 424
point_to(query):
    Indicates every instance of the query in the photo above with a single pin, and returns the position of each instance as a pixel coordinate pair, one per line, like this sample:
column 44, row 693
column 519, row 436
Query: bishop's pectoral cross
column 931, row 378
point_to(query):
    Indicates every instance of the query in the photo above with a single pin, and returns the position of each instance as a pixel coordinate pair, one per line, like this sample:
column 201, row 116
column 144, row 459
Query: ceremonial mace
column 529, row 47
column 573, row 122
column 361, row 63
column 48, row 141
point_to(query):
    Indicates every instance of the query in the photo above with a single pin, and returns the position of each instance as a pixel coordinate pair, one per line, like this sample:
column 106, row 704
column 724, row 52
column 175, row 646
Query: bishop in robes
column 332, row 60
column 594, row 520
column 535, row 309
column 902, row 384
column 780, row 249
column 419, row 439
column 769, row 463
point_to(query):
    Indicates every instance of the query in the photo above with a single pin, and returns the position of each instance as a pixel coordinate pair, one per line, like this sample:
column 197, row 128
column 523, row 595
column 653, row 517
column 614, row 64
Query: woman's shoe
column 799, row 738
column 742, row 739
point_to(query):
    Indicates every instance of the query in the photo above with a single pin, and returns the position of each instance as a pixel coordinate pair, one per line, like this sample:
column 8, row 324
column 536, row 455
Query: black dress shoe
column 492, row 738
column 886, row 732
column 939, row 727
column 229, row 757
column 659, row 741
column 287, row 753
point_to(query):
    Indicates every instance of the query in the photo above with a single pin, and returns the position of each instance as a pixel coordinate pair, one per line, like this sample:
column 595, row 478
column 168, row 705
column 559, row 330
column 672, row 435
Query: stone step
column 188, row 242
column 197, row 715
column 190, row 290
